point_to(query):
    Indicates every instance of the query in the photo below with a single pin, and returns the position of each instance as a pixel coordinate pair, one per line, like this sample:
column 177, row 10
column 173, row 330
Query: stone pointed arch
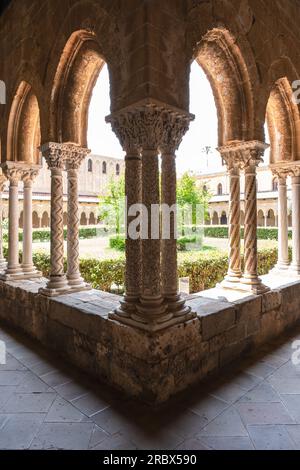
column 23, row 132
column 76, row 75
column 221, row 58
column 282, row 113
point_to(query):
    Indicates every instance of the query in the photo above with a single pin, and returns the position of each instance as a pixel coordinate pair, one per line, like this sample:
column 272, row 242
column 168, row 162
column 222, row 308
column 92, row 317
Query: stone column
column 295, row 266
column 125, row 127
column 75, row 156
column 28, row 267
column 13, row 172
column 147, row 130
column 3, row 263
column 283, row 242
column 175, row 127
column 231, row 154
column 56, row 158
column 252, row 156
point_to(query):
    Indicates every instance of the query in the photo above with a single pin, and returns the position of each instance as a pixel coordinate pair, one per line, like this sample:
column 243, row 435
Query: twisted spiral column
column 3, row 262
column 234, row 270
column 55, row 158
column 250, row 279
column 74, row 156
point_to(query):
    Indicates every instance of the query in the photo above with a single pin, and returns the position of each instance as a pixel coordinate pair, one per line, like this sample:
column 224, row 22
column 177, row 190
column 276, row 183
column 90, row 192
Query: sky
column 203, row 131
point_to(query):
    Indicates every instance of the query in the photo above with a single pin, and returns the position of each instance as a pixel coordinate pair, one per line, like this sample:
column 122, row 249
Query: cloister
column 153, row 342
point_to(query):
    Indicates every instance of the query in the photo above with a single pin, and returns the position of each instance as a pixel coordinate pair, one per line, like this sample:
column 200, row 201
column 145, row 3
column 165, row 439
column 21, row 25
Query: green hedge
column 204, row 272
column 262, row 233
column 43, row 235
column 117, row 243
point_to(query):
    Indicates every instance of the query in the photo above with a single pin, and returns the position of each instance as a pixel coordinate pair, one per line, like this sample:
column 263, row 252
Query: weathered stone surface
column 213, row 324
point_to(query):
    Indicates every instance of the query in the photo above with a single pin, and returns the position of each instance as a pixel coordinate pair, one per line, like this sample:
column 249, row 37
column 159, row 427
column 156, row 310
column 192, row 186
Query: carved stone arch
column 221, row 58
column 23, row 132
column 282, row 113
column 79, row 67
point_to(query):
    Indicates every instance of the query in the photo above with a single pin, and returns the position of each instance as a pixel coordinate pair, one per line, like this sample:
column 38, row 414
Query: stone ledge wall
column 151, row 368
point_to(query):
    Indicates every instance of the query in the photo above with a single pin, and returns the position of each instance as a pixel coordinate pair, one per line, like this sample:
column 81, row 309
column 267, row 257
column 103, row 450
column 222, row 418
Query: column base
column 294, row 270
column 281, row 269
column 253, row 285
column 57, row 285
column 128, row 306
column 228, row 284
column 152, row 327
column 12, row 274
column 30, row 272
column 3, row 265
column 80, row 287
column 176, row 305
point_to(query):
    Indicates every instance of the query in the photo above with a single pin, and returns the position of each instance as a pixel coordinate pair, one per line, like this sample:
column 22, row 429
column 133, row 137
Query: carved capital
column 54, row 155
column 150, row 125
column 3, row 181
column 29, row 176
column 75, row 155
column 243, row 154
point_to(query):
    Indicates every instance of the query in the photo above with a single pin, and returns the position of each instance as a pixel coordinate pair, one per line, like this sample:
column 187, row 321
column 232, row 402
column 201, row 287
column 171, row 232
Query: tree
column 189, row 194
column 112, row 204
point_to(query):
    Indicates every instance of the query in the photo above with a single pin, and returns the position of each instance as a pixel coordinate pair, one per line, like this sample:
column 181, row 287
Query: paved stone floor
column 46, row 404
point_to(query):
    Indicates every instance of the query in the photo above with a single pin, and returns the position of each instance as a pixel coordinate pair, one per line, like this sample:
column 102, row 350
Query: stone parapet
column 151, row 367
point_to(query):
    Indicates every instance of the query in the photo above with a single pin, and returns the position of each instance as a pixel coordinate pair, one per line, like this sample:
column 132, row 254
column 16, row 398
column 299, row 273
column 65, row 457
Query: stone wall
column 151, row 367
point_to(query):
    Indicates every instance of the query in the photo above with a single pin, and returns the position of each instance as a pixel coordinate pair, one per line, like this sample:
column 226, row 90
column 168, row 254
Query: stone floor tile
column 33, row 384
column 5, row 393
column 118, row 441
column 90, row 404
column 192, row 444
column 292, row 404
column 11, row 377
column 228, row 443
column 110, row 420
column 209, row 407
column 12, row 364
column 285, row 385
column 65, row 412
column 269, row 437
column 53, row 379
column 43, row 367
column 245, row 381
column 64, row 436
column 262, row 393
column 288, row 370
column 227, row 424
column 259, row 369
column 294, row 433
column 72, row 390
column 263, row 413
column 29, row 403
column 227, row 391
column 97, row 436
column 19, row 430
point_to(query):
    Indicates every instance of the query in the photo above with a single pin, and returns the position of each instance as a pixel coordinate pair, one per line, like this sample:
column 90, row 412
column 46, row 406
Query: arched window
column 90, row 166
column 220, row 189
column 117, row 169
column 104, row 168
column 275, row 185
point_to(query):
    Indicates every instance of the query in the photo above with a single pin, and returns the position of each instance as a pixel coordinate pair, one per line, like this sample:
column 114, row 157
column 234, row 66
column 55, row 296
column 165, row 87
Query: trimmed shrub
column 262, row 233
column 204, row 272
column 117, row 243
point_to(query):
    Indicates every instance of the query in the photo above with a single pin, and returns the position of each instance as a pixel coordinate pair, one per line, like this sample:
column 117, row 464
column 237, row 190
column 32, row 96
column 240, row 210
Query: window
column 220, row 190
column 205, row 188
column 90, row 166
column 104, row 168
column 275, row 184
column 117, row 169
